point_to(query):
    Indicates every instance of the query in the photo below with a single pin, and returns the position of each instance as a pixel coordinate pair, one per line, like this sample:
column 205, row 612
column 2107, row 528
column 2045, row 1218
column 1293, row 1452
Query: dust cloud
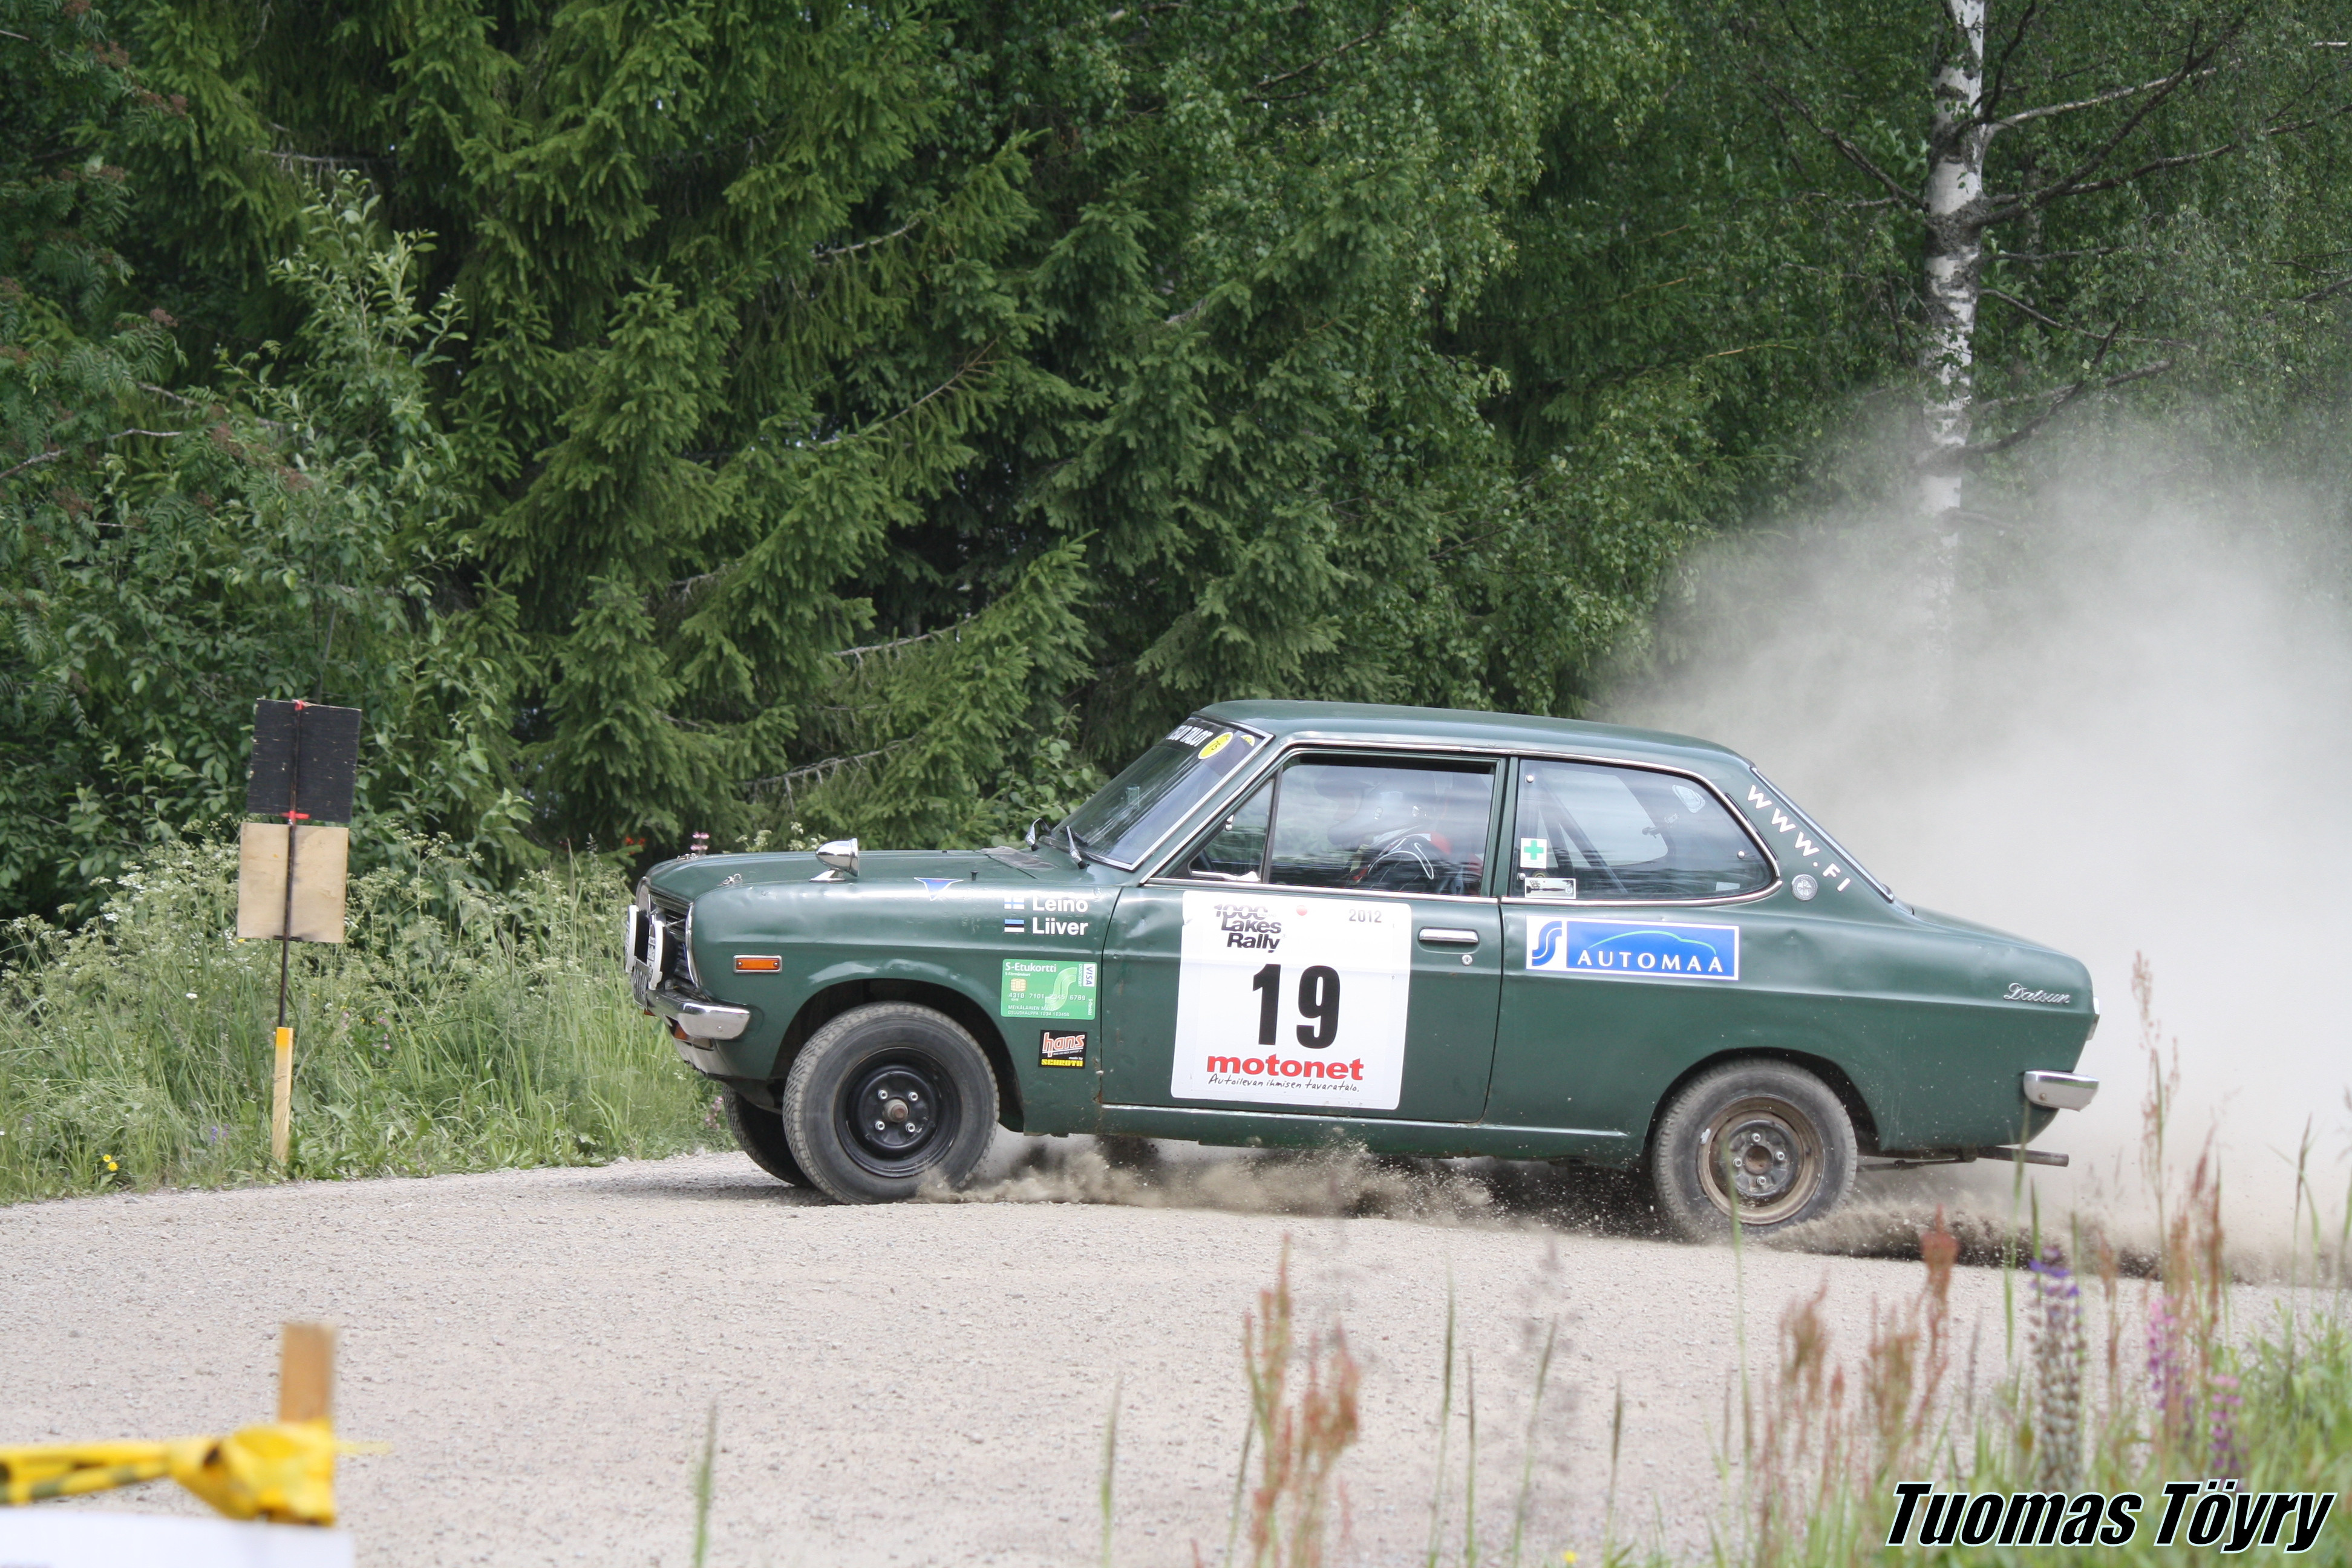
column 2125, row 732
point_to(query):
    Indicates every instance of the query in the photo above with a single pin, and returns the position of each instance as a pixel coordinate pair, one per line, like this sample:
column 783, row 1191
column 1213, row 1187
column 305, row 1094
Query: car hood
column 690, row 876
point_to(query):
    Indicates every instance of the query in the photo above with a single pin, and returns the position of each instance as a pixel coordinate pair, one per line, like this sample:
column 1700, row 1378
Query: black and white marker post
column 290, row 887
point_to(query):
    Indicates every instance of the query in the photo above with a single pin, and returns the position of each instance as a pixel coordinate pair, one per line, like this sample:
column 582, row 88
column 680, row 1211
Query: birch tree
column 2076, row 102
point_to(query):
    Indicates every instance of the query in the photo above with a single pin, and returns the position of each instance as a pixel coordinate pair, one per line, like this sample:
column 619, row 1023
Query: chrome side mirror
column 840, row 859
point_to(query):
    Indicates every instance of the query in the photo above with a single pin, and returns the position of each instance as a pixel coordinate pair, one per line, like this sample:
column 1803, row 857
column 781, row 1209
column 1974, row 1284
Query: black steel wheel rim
column 898, row 1114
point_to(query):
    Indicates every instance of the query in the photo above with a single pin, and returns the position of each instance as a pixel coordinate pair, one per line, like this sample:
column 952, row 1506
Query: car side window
column 1237, row 850
column 1586, row 830
column 1376, row 823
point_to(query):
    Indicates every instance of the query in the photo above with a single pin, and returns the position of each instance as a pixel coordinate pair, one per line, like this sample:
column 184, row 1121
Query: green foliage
column 460, row 1029
column 729, row 414
column 278, row 535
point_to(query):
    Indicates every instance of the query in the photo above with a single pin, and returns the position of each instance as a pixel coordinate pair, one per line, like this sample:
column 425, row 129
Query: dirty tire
column 1793, row 1150
column 760, row 1132
column 886, row 1098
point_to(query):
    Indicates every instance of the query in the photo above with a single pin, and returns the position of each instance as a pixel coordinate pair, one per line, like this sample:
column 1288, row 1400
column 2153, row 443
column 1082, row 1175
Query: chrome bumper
column 2060, row 1090
column 694, row 1018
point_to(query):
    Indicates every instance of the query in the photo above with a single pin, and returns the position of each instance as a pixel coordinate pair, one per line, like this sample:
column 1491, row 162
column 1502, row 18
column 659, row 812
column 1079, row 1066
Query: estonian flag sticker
column 1014, row 925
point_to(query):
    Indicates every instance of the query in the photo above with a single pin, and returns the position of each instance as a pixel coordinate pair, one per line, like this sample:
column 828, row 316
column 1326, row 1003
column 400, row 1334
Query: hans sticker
column 1048, row 988
column 1634, row 950
column 1057, row 1050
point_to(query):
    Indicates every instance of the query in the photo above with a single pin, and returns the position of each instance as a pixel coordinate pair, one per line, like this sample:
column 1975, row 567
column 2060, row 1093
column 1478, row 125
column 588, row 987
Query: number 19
column 1319, row 1000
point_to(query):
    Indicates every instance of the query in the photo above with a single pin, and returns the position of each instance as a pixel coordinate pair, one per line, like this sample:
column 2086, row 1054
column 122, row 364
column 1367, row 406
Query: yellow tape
column 283, row 1472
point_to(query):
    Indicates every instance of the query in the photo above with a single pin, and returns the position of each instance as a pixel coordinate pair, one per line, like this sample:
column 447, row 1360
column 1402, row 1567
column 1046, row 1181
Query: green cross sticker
column 1535, row 854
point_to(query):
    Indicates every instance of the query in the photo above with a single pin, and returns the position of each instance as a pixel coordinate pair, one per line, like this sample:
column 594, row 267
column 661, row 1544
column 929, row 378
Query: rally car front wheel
column 886, row 1098
column 760, row 1132
column 1761, row 1139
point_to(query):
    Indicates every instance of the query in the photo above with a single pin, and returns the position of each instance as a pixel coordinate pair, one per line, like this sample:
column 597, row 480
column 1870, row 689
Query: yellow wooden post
column 281, row 1095
column 306, row 1372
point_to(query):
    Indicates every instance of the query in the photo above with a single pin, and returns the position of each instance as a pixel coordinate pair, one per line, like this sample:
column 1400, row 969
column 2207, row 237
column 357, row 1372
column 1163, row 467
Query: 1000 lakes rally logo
column 1249, row 926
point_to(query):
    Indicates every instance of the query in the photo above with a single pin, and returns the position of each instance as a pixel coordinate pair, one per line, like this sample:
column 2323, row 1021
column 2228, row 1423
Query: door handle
column 1448, row 936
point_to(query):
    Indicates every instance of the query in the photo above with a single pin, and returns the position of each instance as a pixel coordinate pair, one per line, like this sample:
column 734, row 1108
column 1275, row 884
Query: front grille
column 676, row 967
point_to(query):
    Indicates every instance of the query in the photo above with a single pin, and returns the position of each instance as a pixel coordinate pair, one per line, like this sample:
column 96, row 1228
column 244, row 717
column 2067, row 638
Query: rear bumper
column 2060, row 1090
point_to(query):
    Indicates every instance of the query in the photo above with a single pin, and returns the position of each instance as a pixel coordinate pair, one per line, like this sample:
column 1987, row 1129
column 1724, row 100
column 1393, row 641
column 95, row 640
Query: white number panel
column 1293, row 1000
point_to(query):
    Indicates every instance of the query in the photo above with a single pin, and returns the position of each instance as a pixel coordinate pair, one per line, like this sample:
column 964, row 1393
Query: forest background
column 881, row 418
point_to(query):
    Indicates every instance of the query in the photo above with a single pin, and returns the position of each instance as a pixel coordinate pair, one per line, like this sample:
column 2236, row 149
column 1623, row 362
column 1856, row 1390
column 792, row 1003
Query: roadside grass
column 2112, row 1386
column 458, row 1029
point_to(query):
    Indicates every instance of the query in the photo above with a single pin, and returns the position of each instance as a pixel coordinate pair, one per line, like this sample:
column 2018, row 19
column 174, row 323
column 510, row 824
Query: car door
column 1329, row 946
column 1638, row 938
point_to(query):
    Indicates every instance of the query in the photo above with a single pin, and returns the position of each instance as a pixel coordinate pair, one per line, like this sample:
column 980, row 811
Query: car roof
column 1374, row 722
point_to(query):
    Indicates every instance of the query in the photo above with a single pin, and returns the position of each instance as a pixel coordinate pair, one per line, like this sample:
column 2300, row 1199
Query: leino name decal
column 1634, row 950
column 2018, row 993
column 1042, row 915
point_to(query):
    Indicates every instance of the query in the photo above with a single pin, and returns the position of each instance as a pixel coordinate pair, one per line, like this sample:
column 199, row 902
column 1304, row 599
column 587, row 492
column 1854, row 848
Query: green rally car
column 1423, row 932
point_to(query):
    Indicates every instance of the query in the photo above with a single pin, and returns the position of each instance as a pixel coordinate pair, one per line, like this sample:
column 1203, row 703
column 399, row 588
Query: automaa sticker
column 1634, row 950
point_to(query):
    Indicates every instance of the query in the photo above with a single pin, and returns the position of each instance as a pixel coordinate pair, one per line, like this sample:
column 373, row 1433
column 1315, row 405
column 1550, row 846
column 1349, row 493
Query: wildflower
column 2167, row 1366
column 109, row 1162
column 2057, row 1324
column 2227, row 1400
column 191, row 996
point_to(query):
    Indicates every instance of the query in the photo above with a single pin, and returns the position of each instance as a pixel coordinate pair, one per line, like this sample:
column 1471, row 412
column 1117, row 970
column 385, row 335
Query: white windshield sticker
column 1293, row 1000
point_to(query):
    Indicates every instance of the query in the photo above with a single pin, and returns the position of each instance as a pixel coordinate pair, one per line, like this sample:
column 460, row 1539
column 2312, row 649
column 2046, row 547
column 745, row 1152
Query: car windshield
column 1159, row 789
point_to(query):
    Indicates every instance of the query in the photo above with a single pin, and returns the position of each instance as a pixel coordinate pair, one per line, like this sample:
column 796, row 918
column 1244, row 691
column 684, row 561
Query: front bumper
column 2060, row 1090
column 690, row 1015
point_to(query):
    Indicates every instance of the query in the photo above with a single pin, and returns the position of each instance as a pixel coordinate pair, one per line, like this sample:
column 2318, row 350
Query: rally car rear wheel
column 1763, row 1139
column 760, row 1132
column 886, row 1098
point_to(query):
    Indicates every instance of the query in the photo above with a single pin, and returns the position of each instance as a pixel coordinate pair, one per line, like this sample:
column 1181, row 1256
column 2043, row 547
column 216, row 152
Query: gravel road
column 924, row 1383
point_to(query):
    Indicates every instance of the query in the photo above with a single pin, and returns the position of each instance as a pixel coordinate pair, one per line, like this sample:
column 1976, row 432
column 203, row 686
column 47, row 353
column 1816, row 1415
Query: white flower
column 191, row 996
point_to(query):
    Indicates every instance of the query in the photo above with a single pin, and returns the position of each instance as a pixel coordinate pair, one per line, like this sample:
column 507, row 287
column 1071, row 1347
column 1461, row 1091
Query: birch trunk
column 1954, row 259
column 1955, row 248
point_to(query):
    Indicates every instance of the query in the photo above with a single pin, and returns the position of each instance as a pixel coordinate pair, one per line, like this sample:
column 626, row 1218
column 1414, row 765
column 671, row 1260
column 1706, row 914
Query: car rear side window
column 1374, row 824
column 1588, row 830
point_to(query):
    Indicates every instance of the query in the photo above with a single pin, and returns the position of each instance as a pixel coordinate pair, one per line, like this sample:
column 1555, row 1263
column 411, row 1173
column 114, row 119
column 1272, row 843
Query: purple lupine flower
column 2057, row 1327
column 2228, row 1459
column 2168, row 1368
